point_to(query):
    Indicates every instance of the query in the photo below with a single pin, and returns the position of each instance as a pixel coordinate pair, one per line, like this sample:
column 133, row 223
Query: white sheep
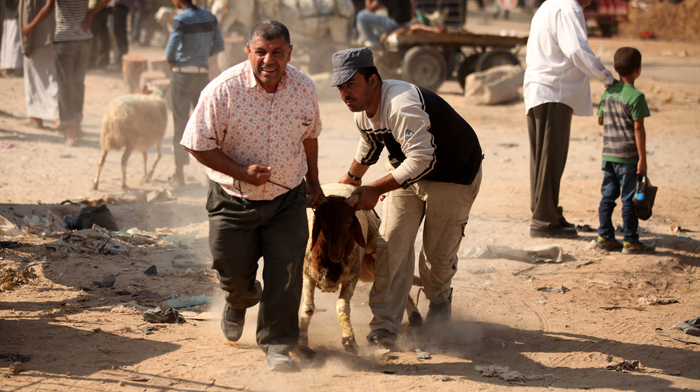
column 134, row 122
column 341, row 250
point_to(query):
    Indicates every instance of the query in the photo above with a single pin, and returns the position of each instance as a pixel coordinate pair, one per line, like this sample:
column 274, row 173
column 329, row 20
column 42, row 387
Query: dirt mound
column 666, row 20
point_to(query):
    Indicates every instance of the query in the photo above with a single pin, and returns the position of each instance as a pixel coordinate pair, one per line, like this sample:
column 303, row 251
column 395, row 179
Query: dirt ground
column 93, row 340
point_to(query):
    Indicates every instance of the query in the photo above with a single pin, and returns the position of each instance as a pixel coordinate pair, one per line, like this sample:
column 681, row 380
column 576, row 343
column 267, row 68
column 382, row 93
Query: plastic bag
column 644, row 197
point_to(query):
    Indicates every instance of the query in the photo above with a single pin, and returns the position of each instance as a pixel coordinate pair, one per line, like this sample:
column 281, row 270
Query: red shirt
column 236, row 115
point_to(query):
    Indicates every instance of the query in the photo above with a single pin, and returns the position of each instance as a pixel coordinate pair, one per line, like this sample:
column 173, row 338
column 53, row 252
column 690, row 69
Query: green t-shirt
column 620, row 107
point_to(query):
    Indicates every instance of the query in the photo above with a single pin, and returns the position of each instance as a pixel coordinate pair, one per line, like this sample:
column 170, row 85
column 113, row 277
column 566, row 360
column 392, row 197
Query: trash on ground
column 585, row 229
column 506, row 374
column 624, row 366
column 96, row 241
column 16, row 368
column 690, row 327
column 151, row 271
column 189, row 302
column 684, row 338
column 531, row 254
column 182, row 240
column 98, row 215
column 589, row 262
column 160, row 196
column 561, row 290
column 129, row 308
column 169, row 316
column 10, row 244
column 13, row 276
column 42, row 226
column 654, row 300
column 15, row 357
column 8, row 229
column 445, row 378
column 422, row 355
column 108, row 281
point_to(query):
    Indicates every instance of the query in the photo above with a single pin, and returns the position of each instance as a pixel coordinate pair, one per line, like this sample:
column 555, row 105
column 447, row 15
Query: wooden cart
column 427, row 59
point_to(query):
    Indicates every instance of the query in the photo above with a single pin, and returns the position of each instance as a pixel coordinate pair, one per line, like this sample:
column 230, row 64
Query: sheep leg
column 414, row 317
column 145, row 166
column 342, row 308
column 125, row 158
column 150, row 174
column 307, row 310
column 96, row 182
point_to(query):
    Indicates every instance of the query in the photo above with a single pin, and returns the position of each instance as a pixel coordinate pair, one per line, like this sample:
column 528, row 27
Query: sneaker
column 279, row 362
column 637, row 248
column 382, row 337
column 232, row 321
column 439, row 312
column 553, row 232
column 606, row 244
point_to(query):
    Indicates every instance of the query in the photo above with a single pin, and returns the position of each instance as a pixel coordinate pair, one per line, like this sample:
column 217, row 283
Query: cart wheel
column 425, row 67
column 495, row 58
column 468, row 66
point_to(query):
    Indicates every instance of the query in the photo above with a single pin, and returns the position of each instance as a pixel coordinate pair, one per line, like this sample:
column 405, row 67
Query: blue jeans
column 616, row 177
column 372, row 26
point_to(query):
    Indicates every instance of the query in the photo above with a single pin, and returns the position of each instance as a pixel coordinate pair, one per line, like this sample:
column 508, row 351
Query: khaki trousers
column 445, row 207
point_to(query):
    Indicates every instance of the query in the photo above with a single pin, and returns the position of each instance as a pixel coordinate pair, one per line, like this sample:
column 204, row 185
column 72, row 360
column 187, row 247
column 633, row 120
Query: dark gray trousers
column 242, row 231
column 71, row 67
column 549, row 127
column 185, row 89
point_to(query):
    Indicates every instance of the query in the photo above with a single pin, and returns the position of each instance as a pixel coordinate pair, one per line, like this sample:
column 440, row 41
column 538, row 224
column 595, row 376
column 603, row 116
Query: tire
column 468, row 66
column 425, row 67
column 607, row 26
column 495, row 58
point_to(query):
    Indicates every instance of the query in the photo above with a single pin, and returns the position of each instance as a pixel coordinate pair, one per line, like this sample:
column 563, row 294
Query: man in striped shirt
column 72, row 41
column 195, row 38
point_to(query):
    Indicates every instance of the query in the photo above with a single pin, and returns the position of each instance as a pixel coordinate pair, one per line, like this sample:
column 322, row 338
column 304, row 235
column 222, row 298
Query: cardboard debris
column 96, row 241
column 42, row 226
column 12, row 277
column 506, row 374
column 531, row 254
column 8, row 229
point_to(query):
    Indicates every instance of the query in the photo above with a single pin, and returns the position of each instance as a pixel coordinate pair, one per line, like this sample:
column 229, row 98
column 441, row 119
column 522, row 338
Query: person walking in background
column 122, row 8
column 40, row 85
column 72, row 41
column 560, row 63
column 10, row 49
column 195, row 38
column 372, row 26
column 99, row 54
column 621, row 113
column 255, row 129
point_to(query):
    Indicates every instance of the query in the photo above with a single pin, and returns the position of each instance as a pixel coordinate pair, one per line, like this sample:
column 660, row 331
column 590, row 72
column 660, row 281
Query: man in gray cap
column 434, row 172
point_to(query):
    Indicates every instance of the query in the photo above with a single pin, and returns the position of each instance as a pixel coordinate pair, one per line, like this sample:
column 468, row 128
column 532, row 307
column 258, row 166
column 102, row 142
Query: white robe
column 11, row 52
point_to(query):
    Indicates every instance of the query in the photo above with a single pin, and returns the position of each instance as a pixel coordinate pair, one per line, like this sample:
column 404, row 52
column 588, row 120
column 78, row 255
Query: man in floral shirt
column 255, row 128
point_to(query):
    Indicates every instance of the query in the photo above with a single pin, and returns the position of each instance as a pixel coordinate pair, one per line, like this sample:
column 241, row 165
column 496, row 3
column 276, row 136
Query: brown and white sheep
column 134, row 122
column 341, row 250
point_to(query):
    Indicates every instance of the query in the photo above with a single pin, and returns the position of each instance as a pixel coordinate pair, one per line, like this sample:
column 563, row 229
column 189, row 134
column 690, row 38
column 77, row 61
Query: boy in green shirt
column 621, row 113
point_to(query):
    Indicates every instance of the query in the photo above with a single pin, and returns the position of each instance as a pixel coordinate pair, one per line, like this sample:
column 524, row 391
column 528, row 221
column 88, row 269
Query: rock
column 493, row 86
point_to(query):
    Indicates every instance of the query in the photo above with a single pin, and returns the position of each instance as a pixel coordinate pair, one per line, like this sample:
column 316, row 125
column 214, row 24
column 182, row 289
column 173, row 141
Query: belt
column 191, row 69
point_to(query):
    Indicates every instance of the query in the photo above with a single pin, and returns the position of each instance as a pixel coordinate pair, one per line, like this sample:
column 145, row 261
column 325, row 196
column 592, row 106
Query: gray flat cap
column 347, row 61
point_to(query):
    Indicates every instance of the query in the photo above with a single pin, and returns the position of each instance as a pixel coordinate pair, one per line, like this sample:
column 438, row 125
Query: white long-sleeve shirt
column 560, row 59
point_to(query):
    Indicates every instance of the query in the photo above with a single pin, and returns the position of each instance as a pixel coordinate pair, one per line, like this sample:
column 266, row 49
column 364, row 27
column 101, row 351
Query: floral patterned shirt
column 236, row 115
